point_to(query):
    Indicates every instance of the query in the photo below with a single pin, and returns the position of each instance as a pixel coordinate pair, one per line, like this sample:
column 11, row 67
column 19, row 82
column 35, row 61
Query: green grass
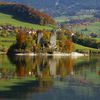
column 7, row 38
column 91, row 28
column 6, row 42
column 97, row 39
column 83, row 48
column 8, row 19
column 62, row 19
column 81, row 17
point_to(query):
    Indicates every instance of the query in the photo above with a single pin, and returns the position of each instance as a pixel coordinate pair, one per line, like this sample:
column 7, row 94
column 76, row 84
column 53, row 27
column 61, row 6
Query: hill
column 25, row 13
column 8, row 19
column 63, row 7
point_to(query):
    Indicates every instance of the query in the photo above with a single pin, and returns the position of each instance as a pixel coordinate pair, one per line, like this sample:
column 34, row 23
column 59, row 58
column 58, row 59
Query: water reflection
column 40, row 77
column 43, row 68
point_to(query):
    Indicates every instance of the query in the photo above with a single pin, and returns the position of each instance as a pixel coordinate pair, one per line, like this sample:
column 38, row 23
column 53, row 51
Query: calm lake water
column 49, row 78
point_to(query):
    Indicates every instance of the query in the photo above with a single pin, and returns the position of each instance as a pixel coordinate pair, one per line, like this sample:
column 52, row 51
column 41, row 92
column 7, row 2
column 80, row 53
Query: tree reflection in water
column 42, row 67
column 49, row 73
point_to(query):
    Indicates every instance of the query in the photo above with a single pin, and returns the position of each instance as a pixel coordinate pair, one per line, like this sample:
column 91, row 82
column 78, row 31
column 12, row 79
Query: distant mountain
column 61, row 7
column 25, row 13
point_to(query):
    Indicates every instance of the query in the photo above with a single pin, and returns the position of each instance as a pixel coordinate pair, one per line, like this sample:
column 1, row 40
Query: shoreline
column 73, row 54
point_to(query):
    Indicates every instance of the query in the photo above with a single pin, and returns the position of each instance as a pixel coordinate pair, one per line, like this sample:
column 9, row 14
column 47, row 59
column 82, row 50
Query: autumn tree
column 20, row 39
column 68, row 46
column 29, row 44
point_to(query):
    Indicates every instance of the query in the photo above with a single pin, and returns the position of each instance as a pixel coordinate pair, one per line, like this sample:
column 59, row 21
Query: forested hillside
column 25, row 13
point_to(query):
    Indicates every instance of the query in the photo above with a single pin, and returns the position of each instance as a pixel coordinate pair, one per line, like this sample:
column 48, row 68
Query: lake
column 49, row 78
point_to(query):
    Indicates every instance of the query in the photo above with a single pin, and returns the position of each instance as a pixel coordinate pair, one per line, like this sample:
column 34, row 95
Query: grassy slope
column 83, row 48
column 8, row 19
column 92, row 28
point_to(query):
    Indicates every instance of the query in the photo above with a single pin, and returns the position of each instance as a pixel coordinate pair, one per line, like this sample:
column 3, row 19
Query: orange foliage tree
column 21, row 38
column 69, row 46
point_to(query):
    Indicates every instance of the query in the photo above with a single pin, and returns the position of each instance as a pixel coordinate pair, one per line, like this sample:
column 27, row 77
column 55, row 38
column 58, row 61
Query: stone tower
column 53, row 39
